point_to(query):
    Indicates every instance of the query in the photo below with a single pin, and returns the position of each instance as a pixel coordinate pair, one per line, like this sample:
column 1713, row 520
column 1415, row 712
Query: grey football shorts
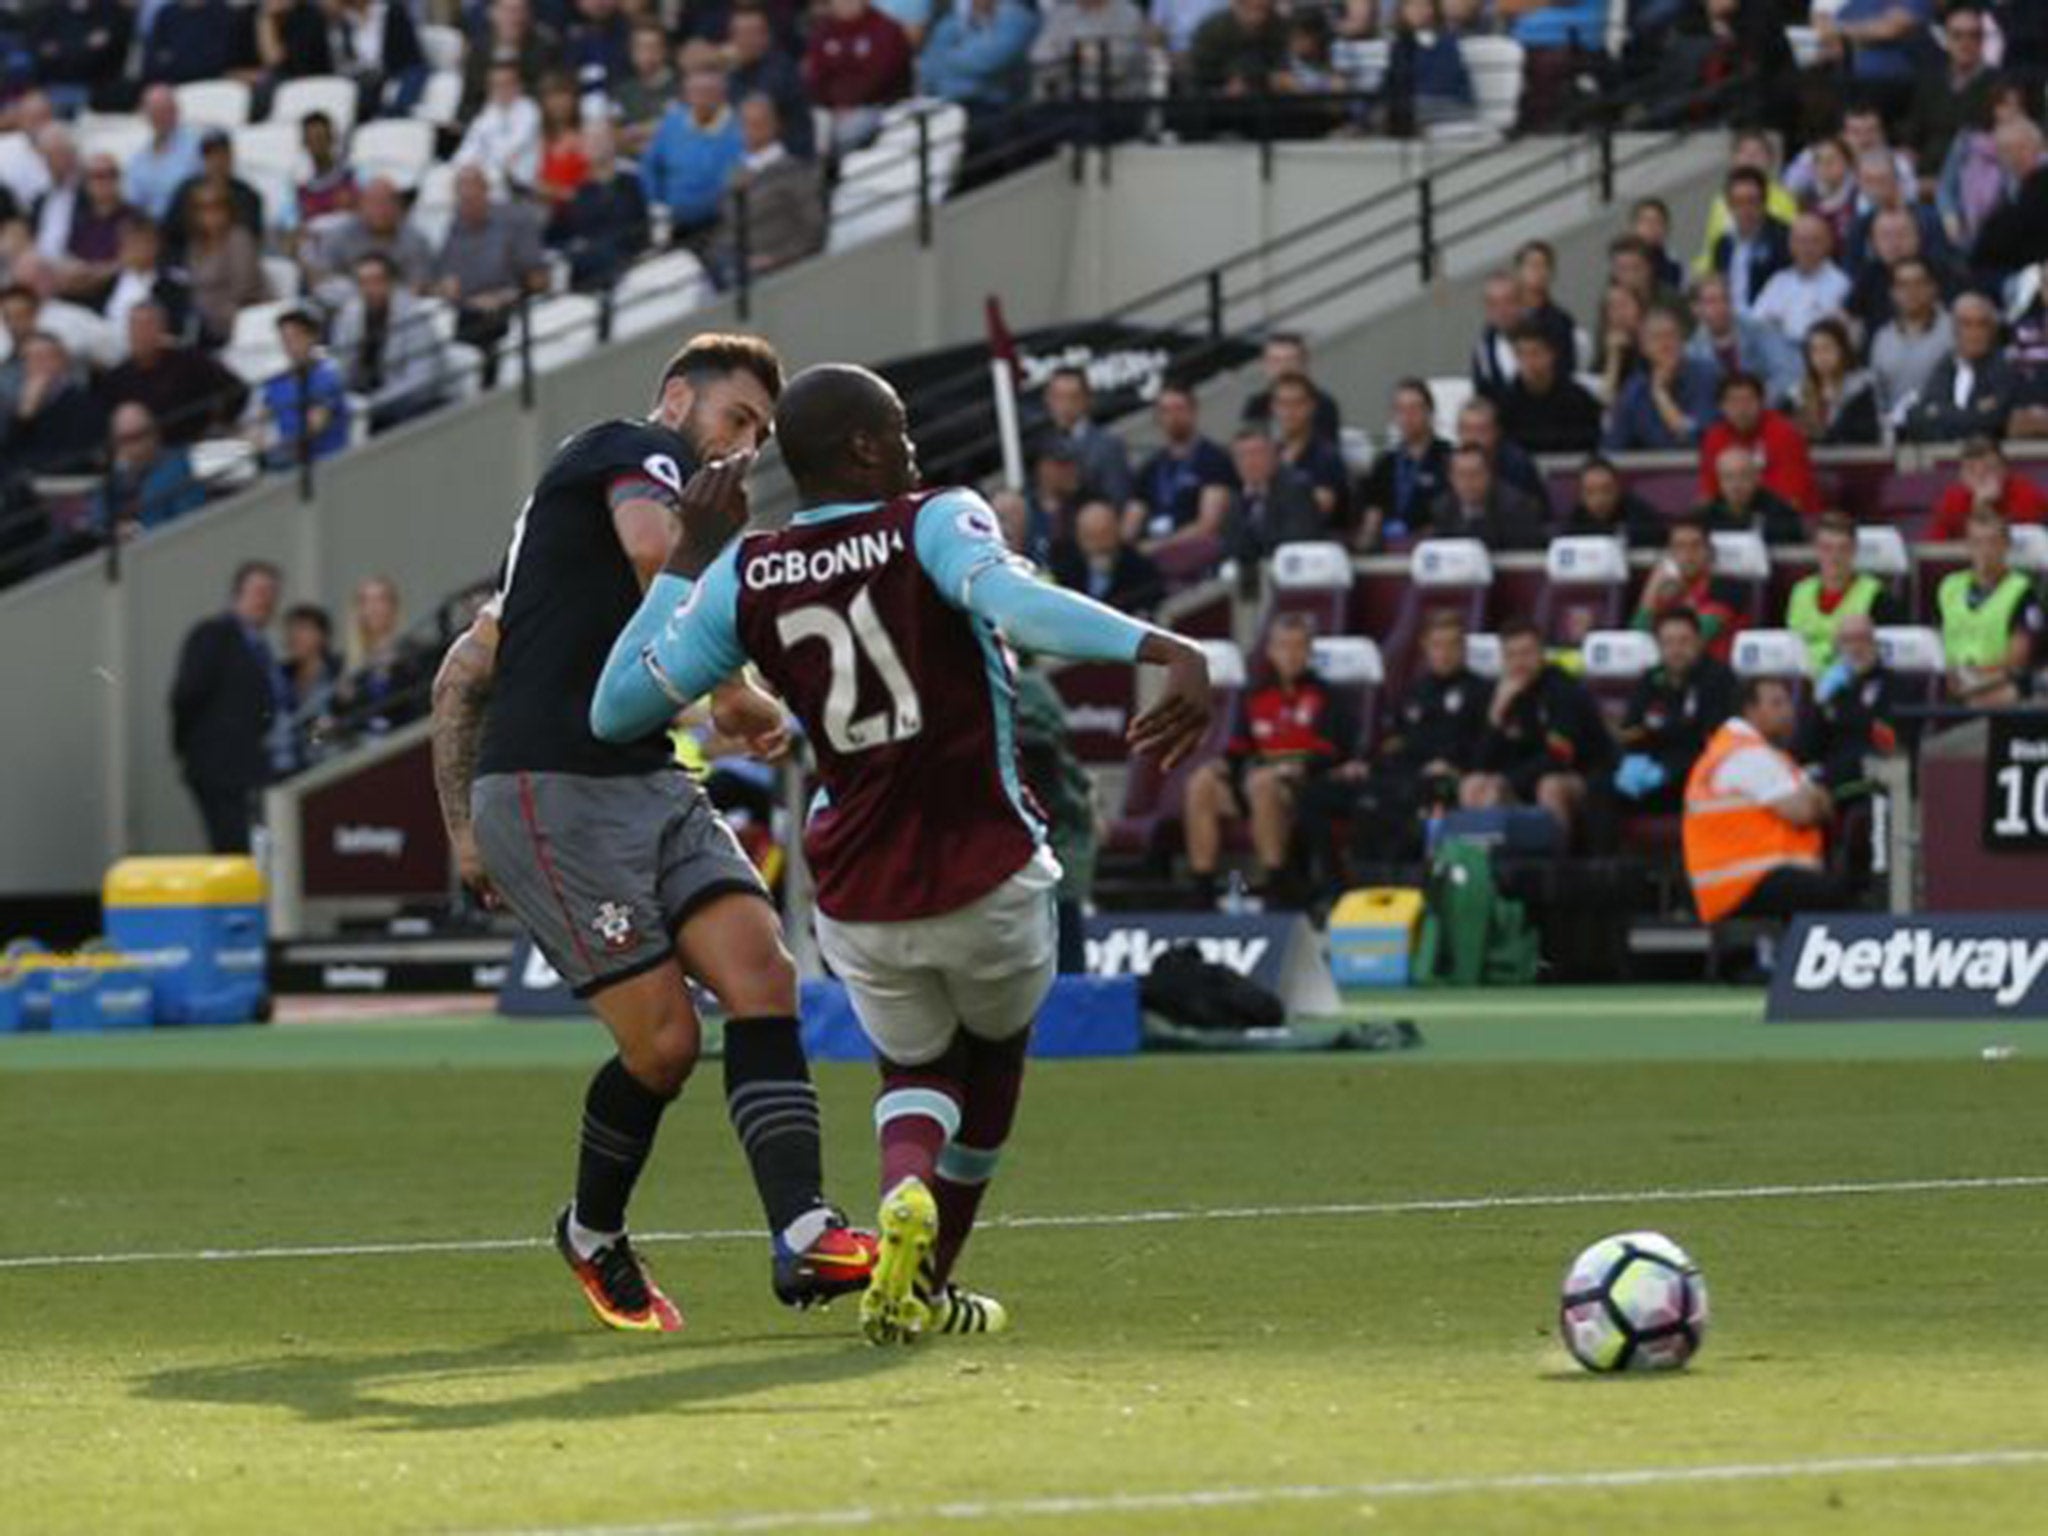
column 603, row 871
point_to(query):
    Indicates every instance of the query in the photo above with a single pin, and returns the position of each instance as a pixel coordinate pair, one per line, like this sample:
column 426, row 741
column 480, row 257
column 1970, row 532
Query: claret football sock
column 917, row 1113
column 994, row 1078
column 774, row 1111
column 620, row 1117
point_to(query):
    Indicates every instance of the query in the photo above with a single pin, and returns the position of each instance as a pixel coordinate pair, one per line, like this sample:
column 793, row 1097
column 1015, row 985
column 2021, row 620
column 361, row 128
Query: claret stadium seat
column 1152, row 798
column 1585, row 587
column 1314, row 580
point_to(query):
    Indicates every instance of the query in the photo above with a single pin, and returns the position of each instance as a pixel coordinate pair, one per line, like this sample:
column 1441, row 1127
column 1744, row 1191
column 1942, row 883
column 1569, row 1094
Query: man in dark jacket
column 1413, row 471
column 1476, row 506
column 1099, row 564
column 1545, row 740
column 1975, row 392
column 1545, row 409
column 222, row 704
column 1608, row 509
column 1756, row 247
column 1676, row 706
column 1855, row 713
column 1272, row 504
column 190, row 394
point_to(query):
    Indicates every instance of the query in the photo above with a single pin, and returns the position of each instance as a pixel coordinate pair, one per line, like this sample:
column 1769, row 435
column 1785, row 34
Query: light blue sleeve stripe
column 929, row 1102
column 680, row 644
column 968, row 1165
column 960, row 544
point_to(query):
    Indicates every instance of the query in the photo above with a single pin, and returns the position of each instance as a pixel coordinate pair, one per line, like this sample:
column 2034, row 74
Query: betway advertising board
column 1869, row 966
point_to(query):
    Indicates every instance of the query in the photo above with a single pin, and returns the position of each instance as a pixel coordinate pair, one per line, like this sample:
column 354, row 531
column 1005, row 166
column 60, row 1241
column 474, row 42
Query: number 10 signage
column 2016, row 785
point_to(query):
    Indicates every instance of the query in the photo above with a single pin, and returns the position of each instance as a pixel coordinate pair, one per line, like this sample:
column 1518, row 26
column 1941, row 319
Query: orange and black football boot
column 617, row 1285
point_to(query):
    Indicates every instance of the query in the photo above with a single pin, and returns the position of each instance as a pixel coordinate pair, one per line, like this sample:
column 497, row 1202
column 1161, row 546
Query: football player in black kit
column 613, row 858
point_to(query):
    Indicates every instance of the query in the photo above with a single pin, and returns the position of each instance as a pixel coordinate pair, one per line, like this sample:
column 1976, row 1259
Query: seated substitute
column 1685, row 578
column 1676, row 706
column 1544, row 736
column 1991, row 619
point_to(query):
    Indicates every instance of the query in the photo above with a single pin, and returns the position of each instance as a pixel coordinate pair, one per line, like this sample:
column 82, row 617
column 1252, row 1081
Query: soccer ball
column 1633, row 1302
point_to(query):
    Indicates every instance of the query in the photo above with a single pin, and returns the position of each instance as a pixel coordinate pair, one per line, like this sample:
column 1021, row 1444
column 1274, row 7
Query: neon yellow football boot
column 891, row 1311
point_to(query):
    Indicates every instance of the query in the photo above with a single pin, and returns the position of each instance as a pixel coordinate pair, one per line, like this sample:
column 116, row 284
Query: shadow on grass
column 536, row 1378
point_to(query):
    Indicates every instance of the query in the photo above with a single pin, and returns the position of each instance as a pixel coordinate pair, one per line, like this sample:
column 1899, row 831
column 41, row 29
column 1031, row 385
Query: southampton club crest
column 614, row 924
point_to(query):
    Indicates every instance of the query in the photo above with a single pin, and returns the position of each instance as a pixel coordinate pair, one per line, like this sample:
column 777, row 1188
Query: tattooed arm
column 462, row 689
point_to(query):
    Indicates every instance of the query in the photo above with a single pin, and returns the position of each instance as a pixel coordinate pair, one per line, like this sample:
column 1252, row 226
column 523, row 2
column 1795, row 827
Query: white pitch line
column 1077, row 1505
column 1450, row 1205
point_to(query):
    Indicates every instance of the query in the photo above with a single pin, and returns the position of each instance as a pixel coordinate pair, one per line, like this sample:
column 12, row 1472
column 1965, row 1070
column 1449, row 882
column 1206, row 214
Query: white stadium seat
column 441, row 102
column 1881, row 551
column 465, row 371
column 2030, row 547
column 1361, row 61
column 1586, row 560
column 400, row 148
column 1482, row 654
column 1495, row 65
column 214, row 104
column 433, row 205
column 1450, row 563
column 1912, row 648
column 1226, row 663
column 333, row 94
column 1345, row 659
column 443, row 46
column 564, row 329
column 119, row 134
column 1311, row 567
column 225, row 463
column 1770, row 653
column 1741, row 556
column 1450, row 392
column 1618, row 654
column 256, row 324
column 659, row 292
column 285, row 278
column 268, row 149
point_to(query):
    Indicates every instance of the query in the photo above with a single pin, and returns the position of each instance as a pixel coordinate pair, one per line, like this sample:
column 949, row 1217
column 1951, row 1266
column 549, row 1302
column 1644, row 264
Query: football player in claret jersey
column 880, row 615
column 614, row 859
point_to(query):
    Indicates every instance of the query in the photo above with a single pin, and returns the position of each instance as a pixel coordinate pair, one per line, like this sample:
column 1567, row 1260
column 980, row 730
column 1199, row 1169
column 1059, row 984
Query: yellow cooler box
column 199, row 926
column 1372, row 936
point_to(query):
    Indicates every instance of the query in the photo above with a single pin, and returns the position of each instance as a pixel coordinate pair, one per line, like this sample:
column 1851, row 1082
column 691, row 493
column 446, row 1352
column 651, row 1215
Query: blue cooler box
column 199, row 927
column 92, row 992
column 24, row 988
column 1372, row 936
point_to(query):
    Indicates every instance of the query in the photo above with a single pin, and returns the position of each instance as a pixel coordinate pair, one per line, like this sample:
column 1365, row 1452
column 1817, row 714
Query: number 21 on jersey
column 848, row 637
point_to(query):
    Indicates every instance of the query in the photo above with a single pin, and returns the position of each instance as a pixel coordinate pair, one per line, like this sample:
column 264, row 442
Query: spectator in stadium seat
column 1427, row 80
column 1098, row 562
column 1182, row 492
column 1546, row 410
column 81, row 50
column 1650, row 222
column 1746, row 505
column 1777, row 443
column 504, row 138
column 24, row 172
column 1985, row 479
column 1974, row 392
column 644, row 94
column 1175, row 21
column 761, row 68
column 1755, row 149
column 1410, row 473
column 693, row 157
column 55, row 425
column 1908, row 350
column 383, row 683
column 1754, row 823
column 1272, row 504
column 223, row 701
column 604, row 226
column 225, row 264
column 1880, row 191
column 216, row 174
column 1952, row 91
column 144, row 275
column 597, row 46
column 293, row 40
column 1880, row 46
column 1831, row 194
column 1894, row 241
column 301, row 736
column 1992, row 619
column 386, row 346
column 1290, row 730
column 1105, row 39
column 1240, row 50
column 1045, row 514
column 1855, row 714
column 305, row 407
column 1556, row 35
column 1105, row 462
column 784, row 196
column 1675, row 707
column 1632, row 264
column 1536, row 275
column 190, row 394
column 490, row 261
column 162, row 165
column 1493, row 354
column 1668, row 403
column 1685, row 578
column 1756, row 247
column 1811, row 288
column 1479, row 423
column 377, row 45
column 330, row 181
column 858, row 62
column 978, row 54
column 1973, row 183
column 564, row 159
column 1733, row 342
column 377, row 227
column 1285, row 353
column 91, row 258
column 1545, row 739
column 1836, row 403
column 1821, row 603
column 1476, row 506
column 148, row 483
column 1608, row 509
column 2016, row 232
column 507, row 31
column 197, row 40
column 1618, row 352
column 1314, row 457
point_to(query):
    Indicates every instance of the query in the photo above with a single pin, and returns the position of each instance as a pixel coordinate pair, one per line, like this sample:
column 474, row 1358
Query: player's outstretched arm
column 681, row 643
column 462, row 689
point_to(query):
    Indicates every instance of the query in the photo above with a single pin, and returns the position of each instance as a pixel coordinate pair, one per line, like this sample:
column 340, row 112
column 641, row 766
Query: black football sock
column 774, row 1112
column 620, row 1117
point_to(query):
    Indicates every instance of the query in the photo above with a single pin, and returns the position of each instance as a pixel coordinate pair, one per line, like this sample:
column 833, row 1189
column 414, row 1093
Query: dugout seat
column 1614, row 659
column 1444, row 575
column 1585, row 586
column 2030, row 548
column 1351, row 665
column 1741, row 557
column 1314, row 580
column 1914, row 653
column 1778, row 653
column 1881, row 552
column 1152, row 797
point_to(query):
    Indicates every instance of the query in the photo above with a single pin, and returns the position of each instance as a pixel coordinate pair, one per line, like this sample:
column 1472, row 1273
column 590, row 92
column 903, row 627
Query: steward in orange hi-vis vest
column 1733, row 835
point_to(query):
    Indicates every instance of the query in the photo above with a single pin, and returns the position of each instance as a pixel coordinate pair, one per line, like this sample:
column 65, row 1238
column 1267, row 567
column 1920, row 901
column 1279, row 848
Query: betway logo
column 1133, row 952
column 1915, row 960
column 385, row 842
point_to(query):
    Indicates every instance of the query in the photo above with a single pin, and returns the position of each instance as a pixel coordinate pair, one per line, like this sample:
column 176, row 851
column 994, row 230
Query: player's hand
column 743, row 713
column 469, row 867
column 1175, row 725
column 714, row 509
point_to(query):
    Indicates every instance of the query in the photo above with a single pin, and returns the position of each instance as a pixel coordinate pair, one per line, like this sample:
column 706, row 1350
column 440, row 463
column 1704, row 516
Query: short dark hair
column 248, row 570
column 1753, row 689
column 1683, row 616
column 379, row 259
column 1517, row 629
column 1651, row 204
column 1688, row 522
column 1629, row 245
column 1835, row 522
column 1175, row 387
column 1417, row 386
column 1531, row 330
column 1541, row 248
column 1749, row 174
column 1472, row 451
column 1737, row 379
column 1439, row 619
column 315, row 117
column 1300, row 381
column 1898, row 268
column 1982, row 447
column 313, row 614
column 720, row 353
column 1294, row 621
column 1287, row 339
column 1598, row 463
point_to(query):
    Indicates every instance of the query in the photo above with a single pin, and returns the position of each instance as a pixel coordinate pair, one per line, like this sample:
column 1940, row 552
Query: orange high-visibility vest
column 1731, row 842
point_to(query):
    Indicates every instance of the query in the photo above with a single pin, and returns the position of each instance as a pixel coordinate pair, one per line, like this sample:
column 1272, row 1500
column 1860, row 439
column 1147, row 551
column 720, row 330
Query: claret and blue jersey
column 881, row 625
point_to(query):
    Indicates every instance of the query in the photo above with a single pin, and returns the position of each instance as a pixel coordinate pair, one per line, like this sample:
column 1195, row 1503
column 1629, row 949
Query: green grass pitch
column 1252, row 1294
